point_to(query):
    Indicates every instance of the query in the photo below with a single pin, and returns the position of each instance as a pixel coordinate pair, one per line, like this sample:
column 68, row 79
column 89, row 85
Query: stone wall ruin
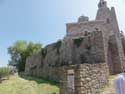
column 90, row 51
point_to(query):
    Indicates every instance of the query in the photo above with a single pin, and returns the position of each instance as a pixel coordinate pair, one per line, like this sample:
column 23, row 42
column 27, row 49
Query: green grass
column 27, row 85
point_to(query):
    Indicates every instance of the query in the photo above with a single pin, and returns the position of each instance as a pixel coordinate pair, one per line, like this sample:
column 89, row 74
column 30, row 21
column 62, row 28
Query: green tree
column 19, row 52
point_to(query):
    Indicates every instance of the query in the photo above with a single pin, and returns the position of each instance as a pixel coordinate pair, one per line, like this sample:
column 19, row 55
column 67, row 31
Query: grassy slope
column 32, row 85
column 29, row 85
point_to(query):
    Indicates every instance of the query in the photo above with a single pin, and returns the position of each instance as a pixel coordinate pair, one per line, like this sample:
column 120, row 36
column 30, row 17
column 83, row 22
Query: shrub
column 54, row 93
column 4, row 72
column 78, row 41
column 44, row 52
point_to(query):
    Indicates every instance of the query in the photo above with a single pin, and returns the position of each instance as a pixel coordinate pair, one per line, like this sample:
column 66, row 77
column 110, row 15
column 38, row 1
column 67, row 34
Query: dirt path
column 109, row 89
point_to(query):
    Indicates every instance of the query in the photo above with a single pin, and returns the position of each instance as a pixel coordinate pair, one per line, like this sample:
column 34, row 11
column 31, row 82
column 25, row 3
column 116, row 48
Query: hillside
column 33, row 85
column 27, row 85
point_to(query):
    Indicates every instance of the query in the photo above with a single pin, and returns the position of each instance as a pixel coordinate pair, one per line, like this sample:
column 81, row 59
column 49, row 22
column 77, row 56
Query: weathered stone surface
column 93, row 49
column 88, row 83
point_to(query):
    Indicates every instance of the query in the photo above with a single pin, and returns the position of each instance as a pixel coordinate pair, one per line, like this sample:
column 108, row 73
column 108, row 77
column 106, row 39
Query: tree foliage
column 19, row 52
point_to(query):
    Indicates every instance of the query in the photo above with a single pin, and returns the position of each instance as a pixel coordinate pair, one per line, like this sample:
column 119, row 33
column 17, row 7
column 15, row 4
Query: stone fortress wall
column 88, row 49
column 91, row 49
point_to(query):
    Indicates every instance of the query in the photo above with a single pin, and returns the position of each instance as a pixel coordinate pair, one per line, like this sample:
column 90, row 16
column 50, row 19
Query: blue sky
column 44, row 20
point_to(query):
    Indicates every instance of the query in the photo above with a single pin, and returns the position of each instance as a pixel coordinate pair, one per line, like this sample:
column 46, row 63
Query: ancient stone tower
column 112, row 36
column 106, row 22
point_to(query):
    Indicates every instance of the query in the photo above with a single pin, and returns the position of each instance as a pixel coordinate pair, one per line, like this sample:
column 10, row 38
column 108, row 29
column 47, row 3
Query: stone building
column 83, row 60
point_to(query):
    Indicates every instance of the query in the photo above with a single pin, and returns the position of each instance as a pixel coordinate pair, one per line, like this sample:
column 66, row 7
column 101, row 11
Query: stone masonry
column 82, row 61
column 88, row 78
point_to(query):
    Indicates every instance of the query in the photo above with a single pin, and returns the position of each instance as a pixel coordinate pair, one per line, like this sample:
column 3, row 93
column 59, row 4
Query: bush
column 78, row 41
column 44, row 52
column 4, row 72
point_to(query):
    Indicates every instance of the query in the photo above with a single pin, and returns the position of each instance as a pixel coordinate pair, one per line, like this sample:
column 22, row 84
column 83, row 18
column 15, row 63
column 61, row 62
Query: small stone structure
column 82, row 61
column 87, row 78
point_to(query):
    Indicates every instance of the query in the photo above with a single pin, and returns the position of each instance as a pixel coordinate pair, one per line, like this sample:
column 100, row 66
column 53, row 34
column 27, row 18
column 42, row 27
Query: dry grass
column 31, row 85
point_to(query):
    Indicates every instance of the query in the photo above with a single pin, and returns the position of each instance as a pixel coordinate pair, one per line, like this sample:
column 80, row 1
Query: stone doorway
column 71, row 81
